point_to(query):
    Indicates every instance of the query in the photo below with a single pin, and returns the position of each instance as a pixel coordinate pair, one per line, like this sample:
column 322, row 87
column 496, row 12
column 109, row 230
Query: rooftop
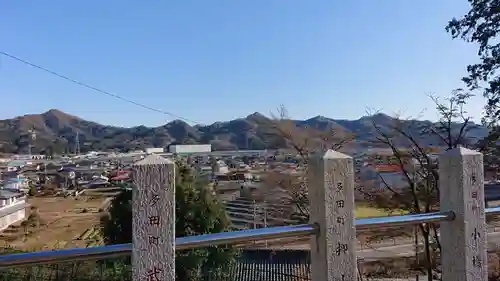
column 7, row 194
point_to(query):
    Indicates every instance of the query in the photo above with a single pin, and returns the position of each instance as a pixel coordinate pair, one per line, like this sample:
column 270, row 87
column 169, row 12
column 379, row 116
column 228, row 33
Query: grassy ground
column 363, row 211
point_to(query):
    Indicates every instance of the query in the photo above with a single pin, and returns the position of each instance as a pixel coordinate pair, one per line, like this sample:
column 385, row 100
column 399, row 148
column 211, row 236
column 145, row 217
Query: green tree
column 480, row 26
column 197, row 212
column 116, row 226
column 33, row 190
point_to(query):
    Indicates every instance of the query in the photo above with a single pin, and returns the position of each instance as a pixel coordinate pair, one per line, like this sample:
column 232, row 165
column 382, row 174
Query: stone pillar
column 153, row 219
column 463, row 240
column 331, row 195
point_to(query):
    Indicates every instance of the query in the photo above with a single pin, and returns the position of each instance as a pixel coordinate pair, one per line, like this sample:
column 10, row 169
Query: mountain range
column 55, row 131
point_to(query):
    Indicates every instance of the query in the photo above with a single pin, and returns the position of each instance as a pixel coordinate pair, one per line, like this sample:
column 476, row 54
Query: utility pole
column 77, row 141
column 254, row 215
column 265, row 219
column 32, row 138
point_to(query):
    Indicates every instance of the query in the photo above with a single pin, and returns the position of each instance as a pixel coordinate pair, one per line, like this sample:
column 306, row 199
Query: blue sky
column 223, row 59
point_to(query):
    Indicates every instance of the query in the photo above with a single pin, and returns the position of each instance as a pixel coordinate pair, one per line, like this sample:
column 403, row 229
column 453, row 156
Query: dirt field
column 60, row 223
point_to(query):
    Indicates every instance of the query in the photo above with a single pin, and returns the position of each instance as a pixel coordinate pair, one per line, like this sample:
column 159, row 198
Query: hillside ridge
column 55, row 132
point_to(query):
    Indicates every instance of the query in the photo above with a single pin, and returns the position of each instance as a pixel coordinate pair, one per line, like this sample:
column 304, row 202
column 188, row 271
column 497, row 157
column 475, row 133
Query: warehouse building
column 190, row 148
column 154, row 150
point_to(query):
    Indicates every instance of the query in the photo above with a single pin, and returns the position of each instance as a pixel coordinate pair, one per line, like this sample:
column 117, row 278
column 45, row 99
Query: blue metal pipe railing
column 191, row 242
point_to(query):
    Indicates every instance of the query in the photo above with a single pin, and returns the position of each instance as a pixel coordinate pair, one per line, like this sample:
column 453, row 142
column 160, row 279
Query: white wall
column 154, row 150
column 18, row 214
column 6, row 203
column 12, row 218
column 28, row 157
column 191, row 148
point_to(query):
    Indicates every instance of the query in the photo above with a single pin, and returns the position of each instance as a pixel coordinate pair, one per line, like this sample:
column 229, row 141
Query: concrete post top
column 153, row 160
column 331, row 154
column 459, row 151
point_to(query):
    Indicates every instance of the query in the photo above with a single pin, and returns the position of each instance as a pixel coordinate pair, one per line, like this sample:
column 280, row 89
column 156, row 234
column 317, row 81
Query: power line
column 95, row 88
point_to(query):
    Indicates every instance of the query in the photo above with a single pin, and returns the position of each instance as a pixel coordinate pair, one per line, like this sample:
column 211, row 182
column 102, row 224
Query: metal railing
column 198, row 241
column 463, row 254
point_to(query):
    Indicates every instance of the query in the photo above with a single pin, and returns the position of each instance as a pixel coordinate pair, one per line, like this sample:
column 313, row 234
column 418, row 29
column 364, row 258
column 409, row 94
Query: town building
column 190, row 148
column 385, row 169
column 219, row 167
column 18, row 183
column 12, row 208
column 28, row 157
column 154, row 150
column 15, row 165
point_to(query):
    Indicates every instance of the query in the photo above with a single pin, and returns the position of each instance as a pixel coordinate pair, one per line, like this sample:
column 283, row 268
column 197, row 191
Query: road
column 387, row 249
column 408, row 250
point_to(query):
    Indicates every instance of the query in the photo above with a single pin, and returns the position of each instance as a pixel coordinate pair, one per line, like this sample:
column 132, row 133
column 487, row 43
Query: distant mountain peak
column 177, row 122
column 54, row 111
column 63, row 116
column 256, row 115
column 320, row 118
column 56, row 131
column 378, row 117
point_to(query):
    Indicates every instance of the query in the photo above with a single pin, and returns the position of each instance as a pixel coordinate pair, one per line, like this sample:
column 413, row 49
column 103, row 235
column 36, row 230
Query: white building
column 15, row 165
column 219, row 167
column 153, row 150
column 28, row 157
column 18, row 183
column 12, row 208
column 190, row 148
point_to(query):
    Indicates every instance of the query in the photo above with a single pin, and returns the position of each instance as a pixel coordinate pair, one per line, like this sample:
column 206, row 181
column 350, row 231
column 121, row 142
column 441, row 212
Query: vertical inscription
column 154, row 274
column 476, row 234
column 331, row 195
column 153, row 239
column 463, row 240
column 476, row 261
column 154, row 220
column 342, row 246
column 474, row 187
column 341, row 249
column 476, row 208
column 154, row 199
column 340, row 204
column 341, row 220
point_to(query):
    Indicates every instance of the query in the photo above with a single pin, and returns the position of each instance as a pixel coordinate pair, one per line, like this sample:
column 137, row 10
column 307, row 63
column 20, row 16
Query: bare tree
column 408, row 141
column 290, row 189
